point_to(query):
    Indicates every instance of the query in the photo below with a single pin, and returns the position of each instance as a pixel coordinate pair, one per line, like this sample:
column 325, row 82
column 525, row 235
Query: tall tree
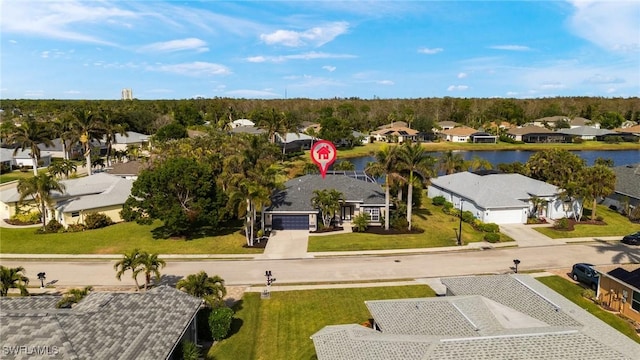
column 39, row 189
column 112, row 127
column 63, row 129
column 130, row 262
column 88, row 128
column 182, row 192
column 11, row 278
column 328, row 201
column 385, row 164
column 28, row 136
column 478, row 163
column 598, row 181
column 201, row 285
column 414, row 159
column 150, row 264
column 451, row 163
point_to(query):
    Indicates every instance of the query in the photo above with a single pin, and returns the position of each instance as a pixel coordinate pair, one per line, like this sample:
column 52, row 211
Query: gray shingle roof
column 586, row 131
column 298, row 192
column 494, row 190
column 495, row 317
column 628, row 180
column 103, row 325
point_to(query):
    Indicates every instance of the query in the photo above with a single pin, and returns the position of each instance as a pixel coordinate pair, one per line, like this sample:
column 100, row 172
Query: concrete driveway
column 286, row 244
column 527, row 236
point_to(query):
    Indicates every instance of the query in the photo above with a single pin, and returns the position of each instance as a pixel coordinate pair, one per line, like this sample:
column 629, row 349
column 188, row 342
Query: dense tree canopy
column 182, row 192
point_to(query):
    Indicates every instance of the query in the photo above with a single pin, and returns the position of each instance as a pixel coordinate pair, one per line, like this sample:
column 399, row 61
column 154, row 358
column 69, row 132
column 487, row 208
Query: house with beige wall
column 619, row 289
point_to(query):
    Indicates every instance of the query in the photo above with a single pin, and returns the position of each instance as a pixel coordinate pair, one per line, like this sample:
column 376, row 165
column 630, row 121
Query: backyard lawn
column 119, row 238
column 616, row 224
column 574, row 292
column 280, row 327
column 440, row 230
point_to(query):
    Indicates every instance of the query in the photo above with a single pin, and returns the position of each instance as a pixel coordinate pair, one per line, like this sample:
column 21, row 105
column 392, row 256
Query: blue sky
column 276, row 49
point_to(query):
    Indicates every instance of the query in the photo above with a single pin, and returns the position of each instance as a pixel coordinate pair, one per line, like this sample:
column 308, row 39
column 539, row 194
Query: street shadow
column 620, row 253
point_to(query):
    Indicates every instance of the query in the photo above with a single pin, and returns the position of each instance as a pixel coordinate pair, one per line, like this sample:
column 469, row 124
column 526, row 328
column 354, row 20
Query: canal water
column 619, row 157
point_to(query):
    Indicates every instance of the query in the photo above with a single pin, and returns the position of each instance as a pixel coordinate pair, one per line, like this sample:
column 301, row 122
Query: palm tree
column 73, row 296
column 27, row 136
column 385, row 164
column 130, row 261
column 111, row 129
column 328, row 201
column 87, row 128
column 211, row 289
column 451, row 163
column 64, row 167
column 599, row 181
column 413, row 158
column 12, row 278
column 344, row 166
column 478, row 163
column 39, row 188
column 63, row 128
column 149, row 264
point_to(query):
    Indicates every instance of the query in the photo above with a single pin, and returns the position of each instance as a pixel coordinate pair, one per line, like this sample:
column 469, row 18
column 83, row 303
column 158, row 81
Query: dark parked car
column 632, row 239
column 585, row 274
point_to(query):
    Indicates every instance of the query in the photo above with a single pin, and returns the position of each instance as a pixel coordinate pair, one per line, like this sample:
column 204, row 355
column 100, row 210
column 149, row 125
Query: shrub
column 399, row 223
column 220, row 322
column 562, row 224
column 97, row 221
column 438, row 201
column 491, row 228
column 53, row 226
column 360, row 222
column 75, row 228
column 492, row 237
column 599, row 218
column 447, row 207
column 190, row 351
column 29, row 218
column 467, row 216
column 578, row 140
column 634, row 215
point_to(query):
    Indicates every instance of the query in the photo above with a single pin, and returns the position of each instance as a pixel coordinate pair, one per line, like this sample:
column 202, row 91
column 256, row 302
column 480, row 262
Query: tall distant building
column 127, row 94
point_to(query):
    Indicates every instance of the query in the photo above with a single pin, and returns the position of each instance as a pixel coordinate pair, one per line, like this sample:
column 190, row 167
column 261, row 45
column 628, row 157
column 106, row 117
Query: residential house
column 580, row 121
column 619, row 289
column 551, row 121
column 631, row 133
column 445, row 125
column 99, row 193
column 128, row 170
column 248, row 130
column 6, row 158
column 395, row 134
column 291, row 207
column 241, row 123
column 627, row 189
column 465, row 134
column 481, row 318
column 294, row 141
column 23, row 158
column 501, row 198
column 133, row 139
column 104, row 325
column 537, row 134
column 587, row 132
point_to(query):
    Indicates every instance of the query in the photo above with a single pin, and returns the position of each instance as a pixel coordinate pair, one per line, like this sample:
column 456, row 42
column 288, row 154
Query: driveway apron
column 527, row 236
column 286, row 244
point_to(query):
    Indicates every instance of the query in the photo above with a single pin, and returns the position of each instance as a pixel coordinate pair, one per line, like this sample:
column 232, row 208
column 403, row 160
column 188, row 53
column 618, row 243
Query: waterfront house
column 481, row 318
column 537, row 134
column 586, row 132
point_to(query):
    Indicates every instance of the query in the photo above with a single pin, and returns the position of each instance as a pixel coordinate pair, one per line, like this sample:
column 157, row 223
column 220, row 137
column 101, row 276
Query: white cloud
column 316, row 36
column 34, row 93
column 552, row 86
column 44, row 54
column 430, row 51
column 612, row 25
column 510, row 47
column 457, row 88
column 72, row 92
column 462, row 75
column 13, row 41
column 304, row 56
column 60, row 20
column 197, row 68
column 329, row 68
column 194, row 44
column 602, row 79
column 385, row 82
column 247, row 93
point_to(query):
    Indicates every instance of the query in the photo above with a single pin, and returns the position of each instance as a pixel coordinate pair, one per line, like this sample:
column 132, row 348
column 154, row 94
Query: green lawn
column 116, row 239
column 616, row 225
column 440, row 230
column 573, row 292
column 280, row 327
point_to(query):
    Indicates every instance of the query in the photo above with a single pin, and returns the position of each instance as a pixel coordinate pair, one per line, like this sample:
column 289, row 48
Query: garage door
column 290, row 222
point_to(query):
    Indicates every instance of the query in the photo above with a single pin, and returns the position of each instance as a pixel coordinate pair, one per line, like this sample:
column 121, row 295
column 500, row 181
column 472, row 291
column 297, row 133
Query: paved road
column 350, row 268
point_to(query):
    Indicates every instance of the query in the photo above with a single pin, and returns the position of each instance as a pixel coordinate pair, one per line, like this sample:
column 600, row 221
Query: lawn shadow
column 162, row 232
column 621, row 253
column 236, row 323
column 169, row 280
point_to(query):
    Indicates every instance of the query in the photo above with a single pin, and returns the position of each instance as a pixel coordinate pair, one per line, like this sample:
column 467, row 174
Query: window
column 374, row 213
column 635, row 301
column 75, row 214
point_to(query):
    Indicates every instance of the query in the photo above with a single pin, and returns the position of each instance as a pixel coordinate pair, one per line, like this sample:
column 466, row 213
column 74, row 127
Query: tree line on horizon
column 147, row 116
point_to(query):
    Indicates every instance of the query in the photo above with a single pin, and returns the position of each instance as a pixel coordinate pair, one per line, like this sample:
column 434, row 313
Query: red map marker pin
column 323, row 154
